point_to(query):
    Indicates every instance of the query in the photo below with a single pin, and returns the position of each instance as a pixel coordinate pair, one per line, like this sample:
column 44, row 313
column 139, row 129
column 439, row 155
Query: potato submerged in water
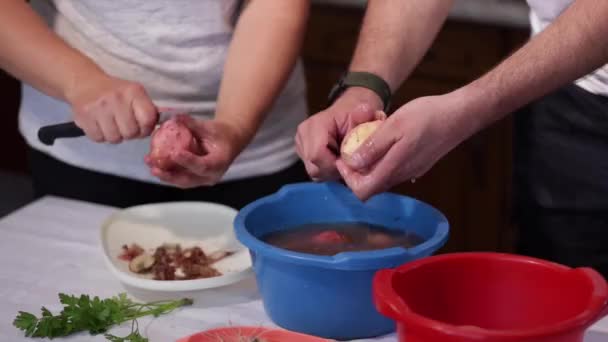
column 330, row 237
column 170, row 137
column 357, row 136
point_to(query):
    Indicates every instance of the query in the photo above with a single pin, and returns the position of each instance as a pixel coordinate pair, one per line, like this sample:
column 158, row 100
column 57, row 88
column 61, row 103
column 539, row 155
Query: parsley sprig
column 94, row 315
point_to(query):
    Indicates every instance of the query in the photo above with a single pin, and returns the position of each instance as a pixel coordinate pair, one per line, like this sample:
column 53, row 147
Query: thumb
column 372, row 149
column 359, row 184
column 186, row 120
column 380, row 115
column 145, row 114
column 199, row 128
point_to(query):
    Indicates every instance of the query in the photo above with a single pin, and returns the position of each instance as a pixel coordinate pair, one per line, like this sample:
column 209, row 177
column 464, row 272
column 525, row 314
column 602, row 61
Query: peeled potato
column 170, row 137
column 357, row 136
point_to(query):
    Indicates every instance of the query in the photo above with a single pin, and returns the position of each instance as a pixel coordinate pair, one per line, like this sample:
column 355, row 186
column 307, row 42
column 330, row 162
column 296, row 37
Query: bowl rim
column 383, row 286
column 257, row 330
column 167, row 285
column 361, row 260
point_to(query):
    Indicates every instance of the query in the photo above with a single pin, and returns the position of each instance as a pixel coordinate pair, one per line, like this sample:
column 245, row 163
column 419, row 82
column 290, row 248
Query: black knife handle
column 48, row 134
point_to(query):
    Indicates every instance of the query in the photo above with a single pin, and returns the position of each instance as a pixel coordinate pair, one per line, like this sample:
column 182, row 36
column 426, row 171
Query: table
column 52, row 246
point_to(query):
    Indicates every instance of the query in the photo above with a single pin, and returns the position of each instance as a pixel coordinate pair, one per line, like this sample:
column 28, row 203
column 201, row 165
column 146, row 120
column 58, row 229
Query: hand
column 318, row 138
column 110, row 109
column 406, row 145
column 219, row 144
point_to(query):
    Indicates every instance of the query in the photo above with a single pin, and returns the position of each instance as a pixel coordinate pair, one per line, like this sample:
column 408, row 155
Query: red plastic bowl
column 491, row 297
column 239, row 334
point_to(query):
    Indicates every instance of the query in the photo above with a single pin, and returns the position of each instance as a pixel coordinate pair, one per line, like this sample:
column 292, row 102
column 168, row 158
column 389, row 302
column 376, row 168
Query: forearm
column 31, row 52
column 264, row 50
column 396, row 35
column 573, row 46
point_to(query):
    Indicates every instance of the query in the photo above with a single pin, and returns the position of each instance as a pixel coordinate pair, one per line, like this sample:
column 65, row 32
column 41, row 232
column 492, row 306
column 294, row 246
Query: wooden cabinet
column 471, row 185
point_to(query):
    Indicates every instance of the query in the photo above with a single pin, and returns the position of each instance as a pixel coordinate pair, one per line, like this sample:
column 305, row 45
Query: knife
column 48, row 134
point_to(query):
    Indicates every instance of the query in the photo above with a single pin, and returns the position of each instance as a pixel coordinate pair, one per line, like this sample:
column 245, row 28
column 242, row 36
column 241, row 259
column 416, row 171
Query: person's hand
column 110, row 109
column 406, row 145
column 219, row 143
column 318, row 138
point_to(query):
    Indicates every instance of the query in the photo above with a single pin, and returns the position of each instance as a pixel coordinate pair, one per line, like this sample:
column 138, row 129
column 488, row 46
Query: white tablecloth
column 52, row 246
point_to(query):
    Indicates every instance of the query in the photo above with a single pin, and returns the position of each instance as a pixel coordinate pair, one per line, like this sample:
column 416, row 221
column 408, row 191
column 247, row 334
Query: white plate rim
column 164, row 285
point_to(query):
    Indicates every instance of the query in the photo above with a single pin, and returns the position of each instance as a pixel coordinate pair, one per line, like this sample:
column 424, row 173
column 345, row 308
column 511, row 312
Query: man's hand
column 318, row 138
column 110, row 109
column 220, row 144
column 394, row 37
column 406, row 145
column 424, row 130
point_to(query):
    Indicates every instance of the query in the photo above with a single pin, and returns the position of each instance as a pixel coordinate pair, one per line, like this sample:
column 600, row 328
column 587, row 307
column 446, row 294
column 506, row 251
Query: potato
column 170, row 137
column 330, row 237
column 357, row 136
column 142, row 263
column 380, row 239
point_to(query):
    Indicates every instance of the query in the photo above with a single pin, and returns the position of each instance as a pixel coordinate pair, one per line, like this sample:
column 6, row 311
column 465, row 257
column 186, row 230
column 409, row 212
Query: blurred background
column 471, row 185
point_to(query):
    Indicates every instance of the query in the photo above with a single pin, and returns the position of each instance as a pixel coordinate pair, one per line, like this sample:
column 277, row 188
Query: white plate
column 207, row 225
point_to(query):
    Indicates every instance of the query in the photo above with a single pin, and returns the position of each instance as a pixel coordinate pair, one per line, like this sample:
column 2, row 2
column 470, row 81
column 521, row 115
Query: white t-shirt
column 542, row 13
column 176, row 49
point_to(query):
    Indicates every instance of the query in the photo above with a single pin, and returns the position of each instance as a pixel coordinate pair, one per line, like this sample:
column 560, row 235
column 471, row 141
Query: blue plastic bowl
column 331, row 296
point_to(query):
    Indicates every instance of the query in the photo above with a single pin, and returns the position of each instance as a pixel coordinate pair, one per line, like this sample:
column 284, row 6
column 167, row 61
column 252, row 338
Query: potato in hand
column 170, row 137
column 358, row 135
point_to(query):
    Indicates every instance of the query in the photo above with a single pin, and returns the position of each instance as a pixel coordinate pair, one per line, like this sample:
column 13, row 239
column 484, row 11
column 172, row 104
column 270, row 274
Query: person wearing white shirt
column 110, row 66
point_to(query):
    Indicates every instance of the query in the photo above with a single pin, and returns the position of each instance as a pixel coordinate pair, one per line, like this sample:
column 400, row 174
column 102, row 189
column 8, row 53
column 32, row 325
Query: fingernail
column 356, row 161
column 380, row 115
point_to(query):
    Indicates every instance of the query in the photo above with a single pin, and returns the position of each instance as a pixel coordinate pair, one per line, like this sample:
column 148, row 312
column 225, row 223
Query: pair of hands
column 113, row 110
column 404, row 147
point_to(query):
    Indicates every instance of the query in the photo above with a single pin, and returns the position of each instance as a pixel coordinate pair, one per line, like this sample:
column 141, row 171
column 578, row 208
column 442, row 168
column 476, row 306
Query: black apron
column 561, row 178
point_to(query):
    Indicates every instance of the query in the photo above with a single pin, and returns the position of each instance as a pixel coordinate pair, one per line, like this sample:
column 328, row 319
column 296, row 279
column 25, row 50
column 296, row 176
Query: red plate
column 247, row 334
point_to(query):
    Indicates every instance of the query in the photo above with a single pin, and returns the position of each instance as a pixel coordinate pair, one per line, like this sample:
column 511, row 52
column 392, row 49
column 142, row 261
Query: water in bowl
column 333, row 238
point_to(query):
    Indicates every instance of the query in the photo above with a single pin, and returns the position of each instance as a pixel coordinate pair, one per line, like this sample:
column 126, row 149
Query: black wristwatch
column 365, row 80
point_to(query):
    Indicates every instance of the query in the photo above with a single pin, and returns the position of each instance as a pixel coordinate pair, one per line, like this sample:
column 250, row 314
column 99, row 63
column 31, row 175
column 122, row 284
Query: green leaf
column 26, row 322
column 67, row 300
column 46, row 312
column 94, row 315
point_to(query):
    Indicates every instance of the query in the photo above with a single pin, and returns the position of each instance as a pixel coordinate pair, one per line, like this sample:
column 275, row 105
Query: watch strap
column 365, row 80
